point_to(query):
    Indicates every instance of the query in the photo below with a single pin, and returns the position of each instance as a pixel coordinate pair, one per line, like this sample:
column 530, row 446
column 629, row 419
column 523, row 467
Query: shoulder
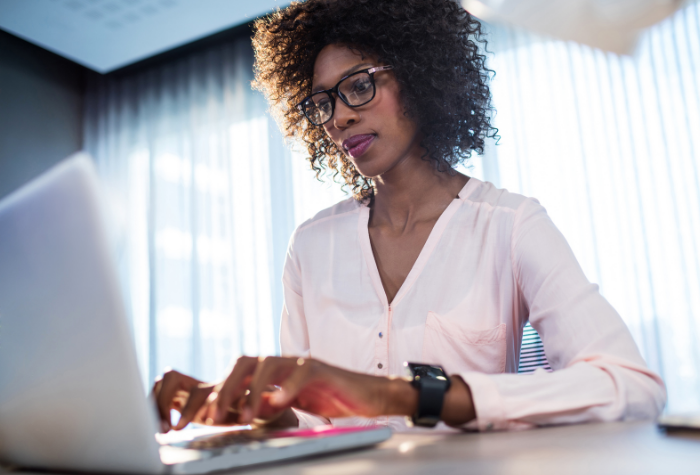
column 339, row 211
column 328, row 221
column 497, row 202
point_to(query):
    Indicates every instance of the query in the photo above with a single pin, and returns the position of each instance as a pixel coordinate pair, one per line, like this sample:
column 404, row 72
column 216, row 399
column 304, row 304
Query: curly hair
column 433, row 47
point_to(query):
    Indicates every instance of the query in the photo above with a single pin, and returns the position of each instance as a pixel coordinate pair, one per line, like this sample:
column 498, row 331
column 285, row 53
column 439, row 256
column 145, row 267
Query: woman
column 423, row 264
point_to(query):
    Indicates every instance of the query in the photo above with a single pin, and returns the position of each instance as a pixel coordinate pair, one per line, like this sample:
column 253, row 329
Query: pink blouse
column 493, row 261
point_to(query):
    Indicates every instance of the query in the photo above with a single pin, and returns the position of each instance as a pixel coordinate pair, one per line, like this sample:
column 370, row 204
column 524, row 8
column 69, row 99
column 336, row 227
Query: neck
column 413, row 191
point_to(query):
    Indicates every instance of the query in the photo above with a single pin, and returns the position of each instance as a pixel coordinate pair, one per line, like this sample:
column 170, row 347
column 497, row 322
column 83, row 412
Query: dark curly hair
column 433, row 47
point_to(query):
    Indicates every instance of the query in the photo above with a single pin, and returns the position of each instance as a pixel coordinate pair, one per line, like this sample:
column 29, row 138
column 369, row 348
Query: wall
column 41, row 109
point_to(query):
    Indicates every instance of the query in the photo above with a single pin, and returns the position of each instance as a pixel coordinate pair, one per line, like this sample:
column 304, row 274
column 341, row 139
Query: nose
column 344, row 116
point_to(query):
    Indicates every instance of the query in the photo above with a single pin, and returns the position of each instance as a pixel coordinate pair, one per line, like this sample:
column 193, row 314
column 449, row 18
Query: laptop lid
column 70, row 392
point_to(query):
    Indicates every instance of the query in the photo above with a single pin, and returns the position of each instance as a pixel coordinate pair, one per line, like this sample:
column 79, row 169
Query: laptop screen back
column 70, row 392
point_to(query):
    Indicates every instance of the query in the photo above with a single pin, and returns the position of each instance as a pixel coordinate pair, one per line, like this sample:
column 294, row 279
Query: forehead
column 334, row 62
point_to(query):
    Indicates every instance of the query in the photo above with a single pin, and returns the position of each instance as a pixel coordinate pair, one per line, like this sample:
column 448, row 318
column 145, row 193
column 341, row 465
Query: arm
column 319, row 388
column 598, row 374
column 294, row 337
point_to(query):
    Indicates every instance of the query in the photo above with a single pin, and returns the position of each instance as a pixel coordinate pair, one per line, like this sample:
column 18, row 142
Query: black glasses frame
column 334, row 90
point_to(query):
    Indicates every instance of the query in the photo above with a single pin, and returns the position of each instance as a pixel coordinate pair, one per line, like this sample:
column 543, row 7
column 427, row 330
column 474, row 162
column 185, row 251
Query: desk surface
column 611, row 448
column 614, row 448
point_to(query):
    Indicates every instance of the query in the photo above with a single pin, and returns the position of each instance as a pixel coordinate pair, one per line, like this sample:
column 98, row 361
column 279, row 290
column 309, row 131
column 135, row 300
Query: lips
column 358, row 144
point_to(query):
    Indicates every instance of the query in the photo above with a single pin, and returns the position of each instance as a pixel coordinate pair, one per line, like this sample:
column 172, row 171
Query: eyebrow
column 345, row 73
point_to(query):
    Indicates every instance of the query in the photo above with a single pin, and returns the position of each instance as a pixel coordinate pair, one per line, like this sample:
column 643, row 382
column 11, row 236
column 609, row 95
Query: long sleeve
column 599, row 374
column 612, row 25
column 294, row 338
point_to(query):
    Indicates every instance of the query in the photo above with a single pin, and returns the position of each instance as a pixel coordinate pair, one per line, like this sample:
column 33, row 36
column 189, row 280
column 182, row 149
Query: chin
column 369, row 168
column 369, row 171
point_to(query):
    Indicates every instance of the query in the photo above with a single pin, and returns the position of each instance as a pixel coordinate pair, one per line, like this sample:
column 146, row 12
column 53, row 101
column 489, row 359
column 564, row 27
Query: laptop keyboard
column 217, row 441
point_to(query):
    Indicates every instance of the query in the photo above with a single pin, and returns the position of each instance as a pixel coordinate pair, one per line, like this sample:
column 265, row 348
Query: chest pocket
column 447, row 343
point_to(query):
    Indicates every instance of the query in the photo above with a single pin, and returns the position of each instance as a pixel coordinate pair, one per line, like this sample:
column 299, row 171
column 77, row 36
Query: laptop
column 71, row 396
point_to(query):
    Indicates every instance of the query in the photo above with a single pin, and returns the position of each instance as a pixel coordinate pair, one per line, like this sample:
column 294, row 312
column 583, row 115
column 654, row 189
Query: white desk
column 634, row 448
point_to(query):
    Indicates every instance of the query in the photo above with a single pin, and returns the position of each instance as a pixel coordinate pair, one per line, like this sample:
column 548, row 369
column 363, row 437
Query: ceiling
column 105, row 35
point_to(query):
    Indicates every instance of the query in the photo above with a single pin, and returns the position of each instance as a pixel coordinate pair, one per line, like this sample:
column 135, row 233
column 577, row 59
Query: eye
column 361, row 85
column 324, row 105
column 320, row 100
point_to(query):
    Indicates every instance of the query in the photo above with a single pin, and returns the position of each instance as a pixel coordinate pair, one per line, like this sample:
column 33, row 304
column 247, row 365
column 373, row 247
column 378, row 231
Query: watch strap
column 430, row 401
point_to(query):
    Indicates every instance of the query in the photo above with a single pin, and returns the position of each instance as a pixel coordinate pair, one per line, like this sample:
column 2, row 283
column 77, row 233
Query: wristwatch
column 432, row 383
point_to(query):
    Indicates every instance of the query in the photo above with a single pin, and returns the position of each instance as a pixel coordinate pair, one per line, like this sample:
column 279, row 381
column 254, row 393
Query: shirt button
column 380, row 366
column 381, row 334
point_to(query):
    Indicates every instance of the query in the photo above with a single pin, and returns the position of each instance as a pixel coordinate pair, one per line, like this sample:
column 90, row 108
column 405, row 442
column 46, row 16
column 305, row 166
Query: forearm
column 597, row 390
column 457, row 408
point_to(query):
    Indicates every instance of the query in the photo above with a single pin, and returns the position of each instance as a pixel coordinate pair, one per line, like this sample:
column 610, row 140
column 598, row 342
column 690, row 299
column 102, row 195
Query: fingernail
column 209, row 421
column 277, row 398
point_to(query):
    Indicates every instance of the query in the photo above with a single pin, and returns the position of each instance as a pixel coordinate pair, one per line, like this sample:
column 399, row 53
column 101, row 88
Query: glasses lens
column 357, row 89
column 318, row 108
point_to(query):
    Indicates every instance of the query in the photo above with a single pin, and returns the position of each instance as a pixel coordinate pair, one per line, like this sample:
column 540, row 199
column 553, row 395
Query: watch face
column 427, row 371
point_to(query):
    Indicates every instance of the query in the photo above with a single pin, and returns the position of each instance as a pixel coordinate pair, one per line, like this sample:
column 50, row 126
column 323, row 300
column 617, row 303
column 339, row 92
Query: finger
column 227, row 416
column 172, row 382
column 209, row 413
column 180, row 400
column 202, row 415
column 164, row 396
column 296, row 381
column 268, row 372
column 155, row 390
column 233, row 387
column 206, row 414
column 198, row 397
column 267, row 411
column 156, row 387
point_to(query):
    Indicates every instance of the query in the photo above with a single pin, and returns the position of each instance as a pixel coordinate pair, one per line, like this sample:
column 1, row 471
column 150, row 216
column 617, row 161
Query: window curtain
column 203, row 196
column 610, row 146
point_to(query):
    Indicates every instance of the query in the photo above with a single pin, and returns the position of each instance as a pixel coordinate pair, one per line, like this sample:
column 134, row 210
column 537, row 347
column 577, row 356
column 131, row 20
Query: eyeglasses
column 355, row 90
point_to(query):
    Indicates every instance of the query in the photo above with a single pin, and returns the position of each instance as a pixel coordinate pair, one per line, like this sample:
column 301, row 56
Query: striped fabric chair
column 532, row 352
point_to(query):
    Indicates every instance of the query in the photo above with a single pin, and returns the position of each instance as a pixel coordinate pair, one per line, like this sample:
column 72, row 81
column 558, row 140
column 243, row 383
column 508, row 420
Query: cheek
column 392, row 111
column 395, row 122
column 331, row 132
column 334, row 135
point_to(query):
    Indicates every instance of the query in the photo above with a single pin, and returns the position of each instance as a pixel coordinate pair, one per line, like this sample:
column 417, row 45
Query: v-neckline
column 423, row 256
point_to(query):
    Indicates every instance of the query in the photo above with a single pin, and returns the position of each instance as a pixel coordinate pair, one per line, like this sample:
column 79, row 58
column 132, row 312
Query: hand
column 178, row 391
column 309, row 385
column 192, row 399
column 185, row 394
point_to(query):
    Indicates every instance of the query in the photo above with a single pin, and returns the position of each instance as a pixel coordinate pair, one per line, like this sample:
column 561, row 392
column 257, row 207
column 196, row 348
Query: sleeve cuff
column 489, row 405
column 308, row 420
